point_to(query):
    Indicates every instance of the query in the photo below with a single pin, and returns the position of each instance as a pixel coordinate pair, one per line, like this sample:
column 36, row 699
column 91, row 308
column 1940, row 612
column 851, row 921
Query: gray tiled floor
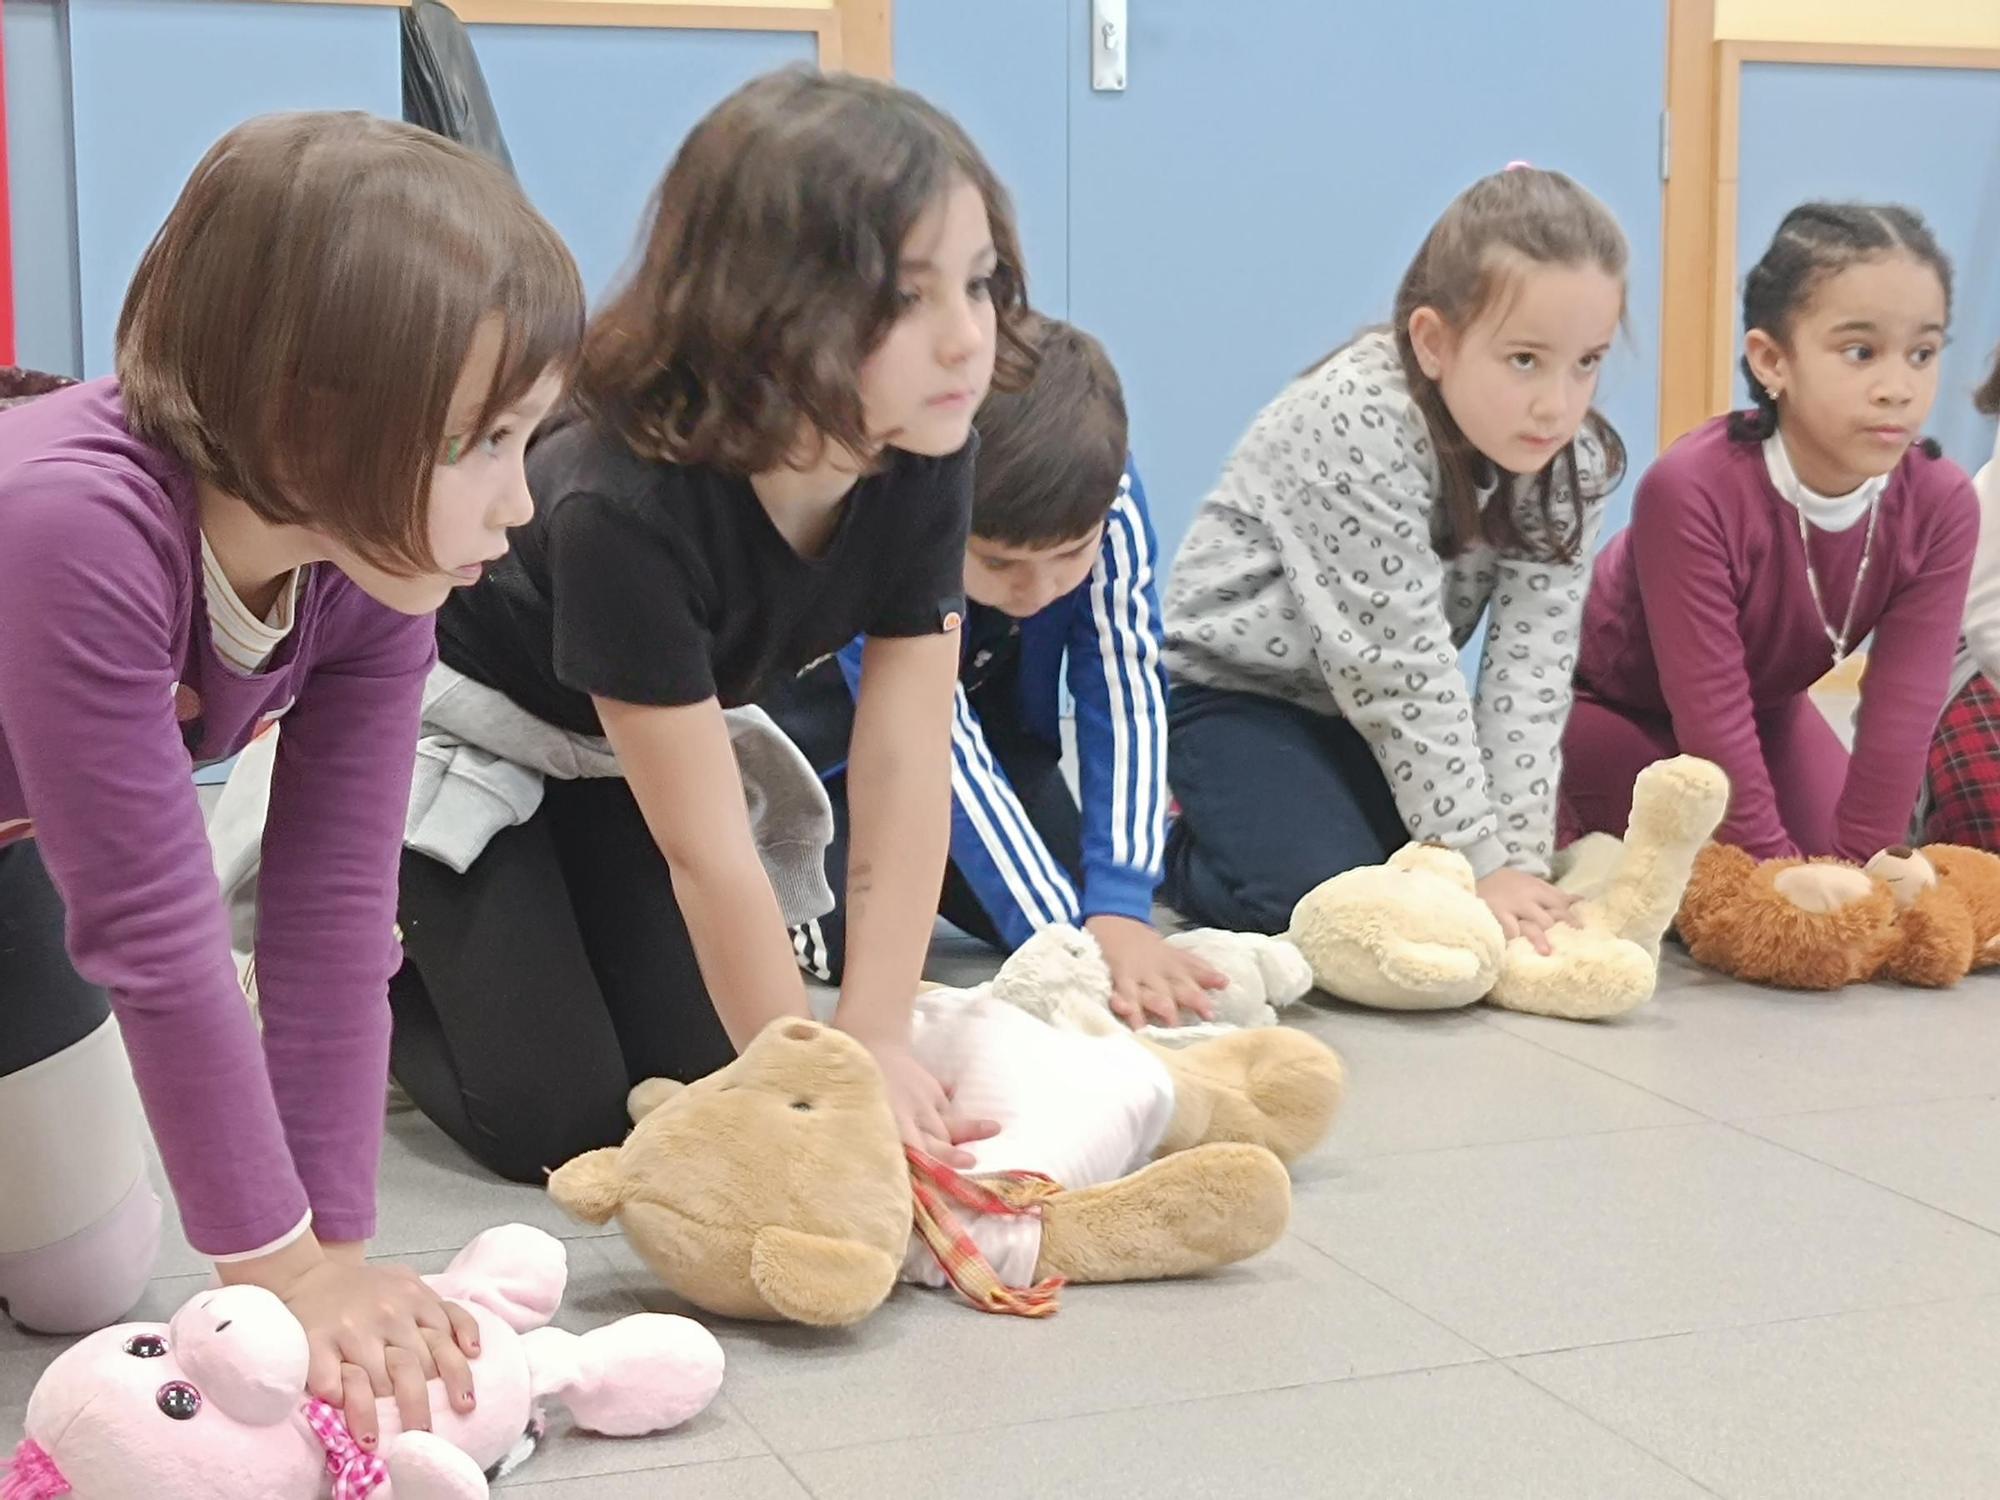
column 1741, row 1244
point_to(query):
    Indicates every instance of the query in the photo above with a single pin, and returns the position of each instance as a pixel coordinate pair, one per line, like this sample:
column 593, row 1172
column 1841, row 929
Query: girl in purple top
column 1768, row 545
column 329, row 362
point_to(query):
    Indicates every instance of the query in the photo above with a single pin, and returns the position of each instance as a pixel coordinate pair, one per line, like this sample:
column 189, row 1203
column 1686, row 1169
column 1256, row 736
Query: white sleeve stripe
column 1003, row 826
column 809, row 945
column 1151, row 715
column 1129, row 656
column 1118, row 704
column 1014, row 840
column 1115, row 685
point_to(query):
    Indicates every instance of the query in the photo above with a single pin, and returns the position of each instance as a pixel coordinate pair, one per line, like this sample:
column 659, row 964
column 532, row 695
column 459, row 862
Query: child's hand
column 373, row 1331
column 1526, row 906
column 925, row 1116
column 1152, row 982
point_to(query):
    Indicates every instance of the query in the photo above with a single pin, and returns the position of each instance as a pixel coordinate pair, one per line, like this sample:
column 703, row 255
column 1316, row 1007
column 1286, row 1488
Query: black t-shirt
column 665, row 584
column 816, row 710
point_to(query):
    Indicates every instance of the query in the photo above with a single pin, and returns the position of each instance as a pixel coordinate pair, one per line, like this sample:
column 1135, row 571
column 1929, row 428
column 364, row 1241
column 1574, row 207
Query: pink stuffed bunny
column 212, row 1406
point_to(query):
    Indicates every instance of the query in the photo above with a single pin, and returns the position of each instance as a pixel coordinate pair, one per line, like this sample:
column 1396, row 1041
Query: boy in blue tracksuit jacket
column 1060, row 588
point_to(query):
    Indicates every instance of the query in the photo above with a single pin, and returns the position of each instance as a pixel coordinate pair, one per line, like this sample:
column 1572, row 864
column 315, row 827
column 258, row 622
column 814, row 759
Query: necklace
column 1785, row 479
column 1838, row 638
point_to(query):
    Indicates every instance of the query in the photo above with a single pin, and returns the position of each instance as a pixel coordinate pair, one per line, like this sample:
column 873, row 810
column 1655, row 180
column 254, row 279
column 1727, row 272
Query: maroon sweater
column 1700, row 613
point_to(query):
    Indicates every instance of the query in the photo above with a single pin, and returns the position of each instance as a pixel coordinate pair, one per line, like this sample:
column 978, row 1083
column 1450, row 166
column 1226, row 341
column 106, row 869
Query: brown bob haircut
column 770, row 272
column 297, row 327
column 1051, row 455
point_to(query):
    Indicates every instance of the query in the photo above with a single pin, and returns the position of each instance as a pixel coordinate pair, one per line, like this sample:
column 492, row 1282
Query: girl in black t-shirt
column 771, row 455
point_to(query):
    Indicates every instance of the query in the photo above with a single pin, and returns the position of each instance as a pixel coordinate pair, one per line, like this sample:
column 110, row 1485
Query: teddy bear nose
column 801, row 1031
column 1901, row 851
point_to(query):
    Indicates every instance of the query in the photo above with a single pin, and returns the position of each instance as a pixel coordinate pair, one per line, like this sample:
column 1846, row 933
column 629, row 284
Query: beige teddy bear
column 1414, row 935
column 777, row 1188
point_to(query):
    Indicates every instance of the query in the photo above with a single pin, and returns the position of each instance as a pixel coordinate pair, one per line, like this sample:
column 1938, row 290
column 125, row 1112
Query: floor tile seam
column 1862, row 1178
column 1400, row 1301
column 1745, row 1325
column 1616, row 1434
column 1128, row 1408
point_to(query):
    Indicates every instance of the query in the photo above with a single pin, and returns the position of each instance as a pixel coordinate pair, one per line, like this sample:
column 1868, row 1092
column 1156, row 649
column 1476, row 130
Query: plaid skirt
column 1962, row 775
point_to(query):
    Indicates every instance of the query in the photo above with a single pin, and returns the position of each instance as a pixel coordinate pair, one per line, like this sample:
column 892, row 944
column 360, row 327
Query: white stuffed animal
column 1059, row 975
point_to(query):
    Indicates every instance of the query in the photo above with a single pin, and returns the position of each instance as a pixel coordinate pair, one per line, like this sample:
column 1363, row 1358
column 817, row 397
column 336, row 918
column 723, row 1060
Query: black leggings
column 539, row 986
column 46, row 1007
column 1274, row 799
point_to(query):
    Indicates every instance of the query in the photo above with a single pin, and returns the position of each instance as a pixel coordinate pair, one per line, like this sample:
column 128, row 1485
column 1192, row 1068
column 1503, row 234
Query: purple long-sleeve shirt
column 109, row 692
column 1701, row 612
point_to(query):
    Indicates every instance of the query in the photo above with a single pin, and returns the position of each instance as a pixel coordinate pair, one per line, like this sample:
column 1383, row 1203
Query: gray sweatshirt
column 1312, row 575
column 480, row 768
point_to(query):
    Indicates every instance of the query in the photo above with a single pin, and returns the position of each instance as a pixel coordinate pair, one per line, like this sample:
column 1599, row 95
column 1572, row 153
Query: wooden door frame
column 1699, row 212
column 850, row 35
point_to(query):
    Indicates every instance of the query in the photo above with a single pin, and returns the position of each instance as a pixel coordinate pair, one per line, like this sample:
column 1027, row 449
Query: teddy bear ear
column 592, row 1187
column 649, row 1096
column 1284, row 970
column 819, row 1280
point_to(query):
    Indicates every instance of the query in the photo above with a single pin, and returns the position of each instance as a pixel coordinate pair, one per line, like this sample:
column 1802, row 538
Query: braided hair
column 1815, row 241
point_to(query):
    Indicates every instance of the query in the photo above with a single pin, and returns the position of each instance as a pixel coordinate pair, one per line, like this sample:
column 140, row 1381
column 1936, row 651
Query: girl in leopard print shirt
column 1431, row 473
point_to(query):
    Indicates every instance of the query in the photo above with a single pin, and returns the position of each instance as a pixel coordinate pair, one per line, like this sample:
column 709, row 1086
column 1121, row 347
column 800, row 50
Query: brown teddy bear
column 1924, row 917
column 777, row 1188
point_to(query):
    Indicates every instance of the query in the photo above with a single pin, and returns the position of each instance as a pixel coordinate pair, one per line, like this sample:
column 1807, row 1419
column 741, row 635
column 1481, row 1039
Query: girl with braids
column 1766, row 546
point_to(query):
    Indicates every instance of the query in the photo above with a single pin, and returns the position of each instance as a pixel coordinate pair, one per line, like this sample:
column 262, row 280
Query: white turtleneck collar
column 1826, row 512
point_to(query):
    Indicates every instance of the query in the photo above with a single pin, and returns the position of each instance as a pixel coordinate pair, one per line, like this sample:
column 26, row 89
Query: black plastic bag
column 443, row 87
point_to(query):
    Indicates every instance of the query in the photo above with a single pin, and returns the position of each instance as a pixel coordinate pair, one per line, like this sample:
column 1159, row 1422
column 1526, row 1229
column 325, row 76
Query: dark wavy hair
column 770, row 272
column 1815, row 241
column 1987, row 397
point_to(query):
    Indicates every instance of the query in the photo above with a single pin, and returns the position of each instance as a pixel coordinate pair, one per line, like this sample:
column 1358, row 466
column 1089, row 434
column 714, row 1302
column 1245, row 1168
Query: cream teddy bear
column 1414, row 935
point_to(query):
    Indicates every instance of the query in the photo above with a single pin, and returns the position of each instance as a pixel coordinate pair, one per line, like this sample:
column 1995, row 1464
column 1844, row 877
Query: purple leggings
column 1605, row 749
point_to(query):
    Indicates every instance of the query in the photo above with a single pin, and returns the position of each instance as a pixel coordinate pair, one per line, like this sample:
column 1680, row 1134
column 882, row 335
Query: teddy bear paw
column 1823, row 888
column 423, row 1466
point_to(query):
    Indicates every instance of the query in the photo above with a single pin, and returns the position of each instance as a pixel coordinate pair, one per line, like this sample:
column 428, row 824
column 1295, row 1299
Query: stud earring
column 1772, row 392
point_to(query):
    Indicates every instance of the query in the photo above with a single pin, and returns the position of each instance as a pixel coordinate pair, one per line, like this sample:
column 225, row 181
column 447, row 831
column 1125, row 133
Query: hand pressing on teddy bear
column 925, row 1115
column 1526, row 906
column 372, row 1330
column 1152, row 982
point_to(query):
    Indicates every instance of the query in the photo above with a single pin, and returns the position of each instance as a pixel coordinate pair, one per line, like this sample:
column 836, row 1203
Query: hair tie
column 1519, row 166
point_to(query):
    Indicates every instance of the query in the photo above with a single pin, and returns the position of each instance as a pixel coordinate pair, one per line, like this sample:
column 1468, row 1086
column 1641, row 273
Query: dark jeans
column 539, row 986
column 1273, row 800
